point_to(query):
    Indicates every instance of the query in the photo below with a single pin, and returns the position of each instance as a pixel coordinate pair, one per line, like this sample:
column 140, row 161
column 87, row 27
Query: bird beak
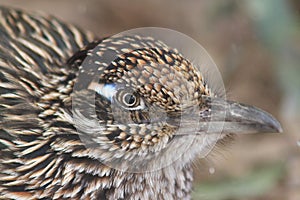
column 221, row 116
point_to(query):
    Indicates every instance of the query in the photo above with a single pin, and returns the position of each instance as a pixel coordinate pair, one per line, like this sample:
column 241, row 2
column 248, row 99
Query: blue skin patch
column 107, row 90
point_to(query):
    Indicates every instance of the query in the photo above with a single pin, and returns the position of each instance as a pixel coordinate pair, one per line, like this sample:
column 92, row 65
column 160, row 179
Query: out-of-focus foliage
column 253, row 185
column 279, row 28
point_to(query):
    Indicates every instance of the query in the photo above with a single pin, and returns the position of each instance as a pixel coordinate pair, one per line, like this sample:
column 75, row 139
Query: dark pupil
column 129, row 99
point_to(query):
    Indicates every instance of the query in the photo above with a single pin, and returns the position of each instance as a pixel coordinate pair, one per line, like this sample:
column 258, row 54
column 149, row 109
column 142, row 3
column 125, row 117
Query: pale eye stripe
column 106, row 90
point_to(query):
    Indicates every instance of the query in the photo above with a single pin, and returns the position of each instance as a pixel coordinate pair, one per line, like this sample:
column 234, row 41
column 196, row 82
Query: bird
column 75, row 125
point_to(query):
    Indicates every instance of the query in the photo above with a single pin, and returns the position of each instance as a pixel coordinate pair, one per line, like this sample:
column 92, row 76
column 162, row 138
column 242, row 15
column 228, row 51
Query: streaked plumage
column 48, row 151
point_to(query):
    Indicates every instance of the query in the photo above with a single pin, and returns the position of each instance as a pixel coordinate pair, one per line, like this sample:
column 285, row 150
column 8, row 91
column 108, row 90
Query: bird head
column 140, row 105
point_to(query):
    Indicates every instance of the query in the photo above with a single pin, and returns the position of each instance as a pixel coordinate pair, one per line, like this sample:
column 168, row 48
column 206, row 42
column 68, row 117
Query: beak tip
column 274, row 124
column 278, row 128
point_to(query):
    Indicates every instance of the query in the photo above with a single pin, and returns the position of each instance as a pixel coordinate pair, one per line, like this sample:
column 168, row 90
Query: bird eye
column 126, row 98
column 130, row 100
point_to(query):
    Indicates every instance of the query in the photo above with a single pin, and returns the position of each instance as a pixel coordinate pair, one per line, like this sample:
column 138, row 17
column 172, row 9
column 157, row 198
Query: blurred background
column 256, row 45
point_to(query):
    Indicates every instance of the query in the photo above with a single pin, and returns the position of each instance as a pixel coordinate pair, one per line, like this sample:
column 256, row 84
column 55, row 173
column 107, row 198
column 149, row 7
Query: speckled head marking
column 153, row 97
column 146, row 87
